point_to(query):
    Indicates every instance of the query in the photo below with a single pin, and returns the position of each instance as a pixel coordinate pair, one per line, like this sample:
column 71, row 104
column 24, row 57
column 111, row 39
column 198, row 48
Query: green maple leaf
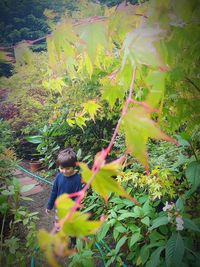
column 138, row 127
column 139, row 47
column 156, row 82
column 111, row 90
column 91, row 107
column 103, row 183
column 93, row 35
column 78, row 223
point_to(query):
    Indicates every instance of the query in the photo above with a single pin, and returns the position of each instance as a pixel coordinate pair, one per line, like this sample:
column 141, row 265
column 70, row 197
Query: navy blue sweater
column 64, row 184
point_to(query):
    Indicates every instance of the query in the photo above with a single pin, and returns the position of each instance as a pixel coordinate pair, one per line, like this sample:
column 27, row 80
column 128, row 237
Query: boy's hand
column 47, row 211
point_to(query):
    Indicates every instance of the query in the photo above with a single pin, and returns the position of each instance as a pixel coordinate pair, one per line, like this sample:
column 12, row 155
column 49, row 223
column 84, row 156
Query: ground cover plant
column 123, row 65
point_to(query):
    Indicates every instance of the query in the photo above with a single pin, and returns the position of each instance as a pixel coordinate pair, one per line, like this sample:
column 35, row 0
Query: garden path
column 39, row 195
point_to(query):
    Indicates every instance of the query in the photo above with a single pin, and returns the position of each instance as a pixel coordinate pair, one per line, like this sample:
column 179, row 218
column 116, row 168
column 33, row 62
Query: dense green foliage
column 100, row 62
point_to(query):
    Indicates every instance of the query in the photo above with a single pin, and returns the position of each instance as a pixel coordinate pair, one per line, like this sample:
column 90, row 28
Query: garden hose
column 33, row 175
column 32, row 263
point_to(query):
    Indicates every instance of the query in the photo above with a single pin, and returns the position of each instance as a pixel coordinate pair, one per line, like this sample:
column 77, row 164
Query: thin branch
column 104, row 153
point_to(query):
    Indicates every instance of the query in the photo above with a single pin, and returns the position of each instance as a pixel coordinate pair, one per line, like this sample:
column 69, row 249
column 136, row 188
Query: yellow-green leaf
column 111, row 90
column 93, row 34
column 138, row 127
column 91, row 107
column 23, row 54
column 156, row 82
column 63, row 205
column 78, row 225
column 104, row 183
column 139, row 47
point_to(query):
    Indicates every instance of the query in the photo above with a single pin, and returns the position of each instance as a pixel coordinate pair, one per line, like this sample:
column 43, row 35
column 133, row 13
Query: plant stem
column 102, row 157
column 2, row 228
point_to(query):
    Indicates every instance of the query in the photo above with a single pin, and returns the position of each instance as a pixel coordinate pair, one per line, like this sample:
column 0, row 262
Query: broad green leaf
column 174, row 250
column 135, row 238
column 144, row 254
column 91, row 107
column 78, row 225
column 103, row 183
column 139, row 47
column 120, row 243
column 36, row 139
column 93, row 35
column 193, row 173
column 146, row 221
column 138, row 127
column 26, row 188
column 155, row 258
column 158, row 222
column 189, row 224
column 63, row 205
column 127, row 215
column 120, row 229
column 112, row 90
column 103, row 231
column 156, row 85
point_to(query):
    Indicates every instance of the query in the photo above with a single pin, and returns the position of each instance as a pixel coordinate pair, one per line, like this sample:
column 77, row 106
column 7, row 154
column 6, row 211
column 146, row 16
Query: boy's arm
column 53, row 195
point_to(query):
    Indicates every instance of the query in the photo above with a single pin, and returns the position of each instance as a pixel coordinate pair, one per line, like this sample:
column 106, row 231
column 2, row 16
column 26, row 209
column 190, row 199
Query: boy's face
column 66, row 171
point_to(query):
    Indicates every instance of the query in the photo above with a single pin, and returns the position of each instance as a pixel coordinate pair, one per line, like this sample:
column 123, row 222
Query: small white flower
column 179, row 227
column 179, row 223
column 167, row 206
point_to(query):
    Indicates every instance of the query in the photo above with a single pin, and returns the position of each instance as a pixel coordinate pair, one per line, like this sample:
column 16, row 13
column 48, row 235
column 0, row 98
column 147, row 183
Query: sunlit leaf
column 111, row 90
column 156, row 82
column 93, row 34
column 139, row 47
column 104, row 183
column 80, row 121
column 91, row 107
column 138, row 127
column 77, row 224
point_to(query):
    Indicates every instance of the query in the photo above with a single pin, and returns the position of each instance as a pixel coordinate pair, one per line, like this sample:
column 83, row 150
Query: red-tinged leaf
column 138, row 127
column 91, row 107
column 78, row 225
column 103, row 183
column 156, row 82
column 139, row 47
column 5, row 57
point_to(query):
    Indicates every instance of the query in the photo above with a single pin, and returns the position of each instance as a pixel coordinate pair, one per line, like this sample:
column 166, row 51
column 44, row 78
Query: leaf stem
column 104, row 153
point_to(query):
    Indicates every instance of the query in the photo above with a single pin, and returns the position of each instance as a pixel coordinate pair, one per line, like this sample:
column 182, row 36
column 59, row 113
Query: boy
column 68, row 180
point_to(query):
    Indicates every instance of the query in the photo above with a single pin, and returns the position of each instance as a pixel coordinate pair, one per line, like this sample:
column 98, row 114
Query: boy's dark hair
column 67, row 158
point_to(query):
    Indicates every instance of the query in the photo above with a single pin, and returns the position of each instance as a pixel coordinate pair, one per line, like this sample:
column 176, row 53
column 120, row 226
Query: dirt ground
column 39, row 202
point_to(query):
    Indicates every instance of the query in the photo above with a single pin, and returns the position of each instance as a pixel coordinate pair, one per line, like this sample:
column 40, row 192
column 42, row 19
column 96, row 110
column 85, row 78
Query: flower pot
column 35, row 166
